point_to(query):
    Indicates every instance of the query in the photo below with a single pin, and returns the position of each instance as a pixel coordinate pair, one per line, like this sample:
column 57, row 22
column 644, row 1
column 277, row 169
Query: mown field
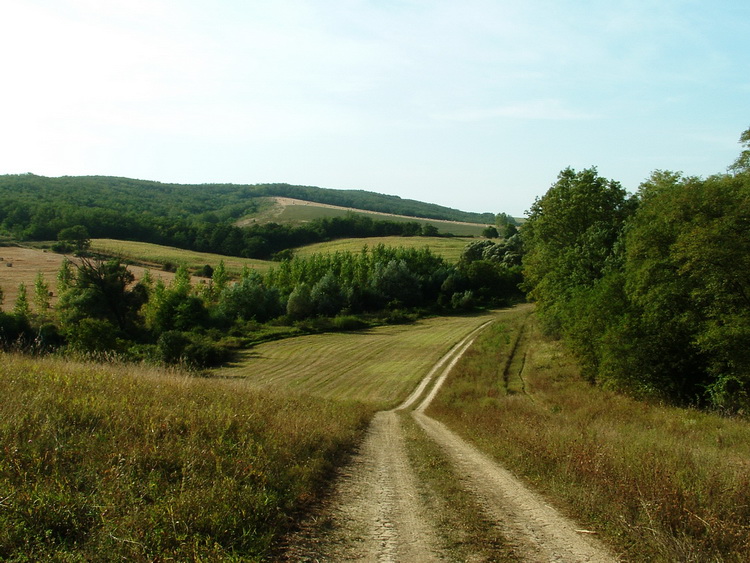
column 380, row 366
column 448, row 248
column 159, row 255
column 286, row 210
column 659, row 483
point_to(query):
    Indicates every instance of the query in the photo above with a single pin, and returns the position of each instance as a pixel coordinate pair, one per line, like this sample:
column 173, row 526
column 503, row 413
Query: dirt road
column 376, row 513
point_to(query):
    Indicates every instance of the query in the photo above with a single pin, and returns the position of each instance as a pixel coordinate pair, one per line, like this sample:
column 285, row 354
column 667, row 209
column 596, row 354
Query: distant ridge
column 226, row 200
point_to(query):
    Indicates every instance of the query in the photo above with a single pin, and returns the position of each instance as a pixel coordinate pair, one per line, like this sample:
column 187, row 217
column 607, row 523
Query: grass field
column 287, row 210
column 448, row 248
column 158, row 255
column 123, row 462
column 352, row 366
column 661, row 483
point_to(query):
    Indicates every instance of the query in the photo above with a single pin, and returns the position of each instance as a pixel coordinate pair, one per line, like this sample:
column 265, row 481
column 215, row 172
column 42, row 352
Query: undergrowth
column 104, row 462
column 658, row 483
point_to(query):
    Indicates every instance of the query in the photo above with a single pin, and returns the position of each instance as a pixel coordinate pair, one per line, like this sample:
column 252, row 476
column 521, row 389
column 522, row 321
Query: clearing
column 290, row 210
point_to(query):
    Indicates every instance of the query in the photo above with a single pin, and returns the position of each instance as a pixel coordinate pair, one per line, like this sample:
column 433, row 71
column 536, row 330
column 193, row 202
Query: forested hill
column 220, row 201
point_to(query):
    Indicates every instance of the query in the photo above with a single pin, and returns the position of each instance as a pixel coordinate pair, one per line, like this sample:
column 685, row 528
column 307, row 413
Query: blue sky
column 475, row 105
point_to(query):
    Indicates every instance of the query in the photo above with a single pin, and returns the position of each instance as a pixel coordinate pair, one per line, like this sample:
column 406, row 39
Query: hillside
column 289, row 211
column 215, row 202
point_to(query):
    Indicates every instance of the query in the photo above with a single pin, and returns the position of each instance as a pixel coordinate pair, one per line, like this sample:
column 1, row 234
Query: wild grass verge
column 105, row 462
column 658, row 483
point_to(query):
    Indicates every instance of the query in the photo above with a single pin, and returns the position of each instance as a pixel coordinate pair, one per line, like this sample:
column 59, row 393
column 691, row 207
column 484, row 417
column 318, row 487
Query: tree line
column 100, row 308
column 36, row 207
column 651, row 290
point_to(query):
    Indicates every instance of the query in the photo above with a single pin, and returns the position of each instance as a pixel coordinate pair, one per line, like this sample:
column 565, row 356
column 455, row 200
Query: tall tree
column 570, row 238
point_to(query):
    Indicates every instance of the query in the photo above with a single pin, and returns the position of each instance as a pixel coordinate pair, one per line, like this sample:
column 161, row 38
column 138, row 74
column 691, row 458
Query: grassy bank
column 121, row 462
column 658, row 483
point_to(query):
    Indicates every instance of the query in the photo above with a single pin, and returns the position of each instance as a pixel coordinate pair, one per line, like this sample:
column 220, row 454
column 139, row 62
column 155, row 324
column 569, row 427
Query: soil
column 375, row 512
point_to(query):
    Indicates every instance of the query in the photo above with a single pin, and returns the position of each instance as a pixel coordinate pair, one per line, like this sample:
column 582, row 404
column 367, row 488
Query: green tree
column 21, row 308
column 490, row 232
column 175, row 307
column 41, row 294
column 64, row 276
column 742, row 164
column 570, row 239
column 299, row 305
column 104, row 291
column 77, row 235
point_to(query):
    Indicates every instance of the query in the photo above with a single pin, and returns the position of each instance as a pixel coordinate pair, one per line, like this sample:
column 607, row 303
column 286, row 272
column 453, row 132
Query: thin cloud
column 535, row 109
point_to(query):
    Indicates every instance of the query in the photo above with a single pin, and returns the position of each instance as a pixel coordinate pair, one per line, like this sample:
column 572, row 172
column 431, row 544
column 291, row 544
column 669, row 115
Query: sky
column 475, row 105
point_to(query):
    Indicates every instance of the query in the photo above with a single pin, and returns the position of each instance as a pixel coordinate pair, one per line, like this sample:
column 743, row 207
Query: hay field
column 380, row 366
column 21, row 265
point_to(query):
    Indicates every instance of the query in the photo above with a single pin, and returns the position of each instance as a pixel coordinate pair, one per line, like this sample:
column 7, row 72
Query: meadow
column 659, row 483
column 107, row 461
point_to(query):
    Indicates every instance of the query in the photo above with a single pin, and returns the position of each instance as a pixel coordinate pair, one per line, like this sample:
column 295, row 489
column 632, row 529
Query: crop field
column 158, row 255
column 351, row 365
column 287, row 210
column 448, row 248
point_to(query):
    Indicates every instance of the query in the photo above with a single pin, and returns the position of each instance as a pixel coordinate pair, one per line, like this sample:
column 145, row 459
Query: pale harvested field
column 21, row 265
column 379, row 366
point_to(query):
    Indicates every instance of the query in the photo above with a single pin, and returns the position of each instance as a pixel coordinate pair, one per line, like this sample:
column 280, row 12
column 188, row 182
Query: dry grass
column 26, row 263
column 105, row 462
column 658, row 483
column 379, row 366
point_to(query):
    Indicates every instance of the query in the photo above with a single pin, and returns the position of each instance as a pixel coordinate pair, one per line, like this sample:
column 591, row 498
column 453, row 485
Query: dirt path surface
column 376, row 513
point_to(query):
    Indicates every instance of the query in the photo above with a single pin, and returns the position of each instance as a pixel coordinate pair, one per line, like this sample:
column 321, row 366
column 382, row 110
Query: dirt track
column 376, row 513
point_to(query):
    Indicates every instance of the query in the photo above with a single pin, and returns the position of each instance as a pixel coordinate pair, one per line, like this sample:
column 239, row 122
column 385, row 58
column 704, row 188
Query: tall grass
column 659, row 483
column 104, row 462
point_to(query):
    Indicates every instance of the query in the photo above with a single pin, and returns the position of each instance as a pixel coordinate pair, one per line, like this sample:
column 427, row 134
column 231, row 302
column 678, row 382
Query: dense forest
column 196, row 217
column 652, row 290
column 35, row 207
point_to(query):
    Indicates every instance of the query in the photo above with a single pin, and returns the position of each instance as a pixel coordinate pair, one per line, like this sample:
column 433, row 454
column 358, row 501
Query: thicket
column 651, row 291
column 101, row 310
